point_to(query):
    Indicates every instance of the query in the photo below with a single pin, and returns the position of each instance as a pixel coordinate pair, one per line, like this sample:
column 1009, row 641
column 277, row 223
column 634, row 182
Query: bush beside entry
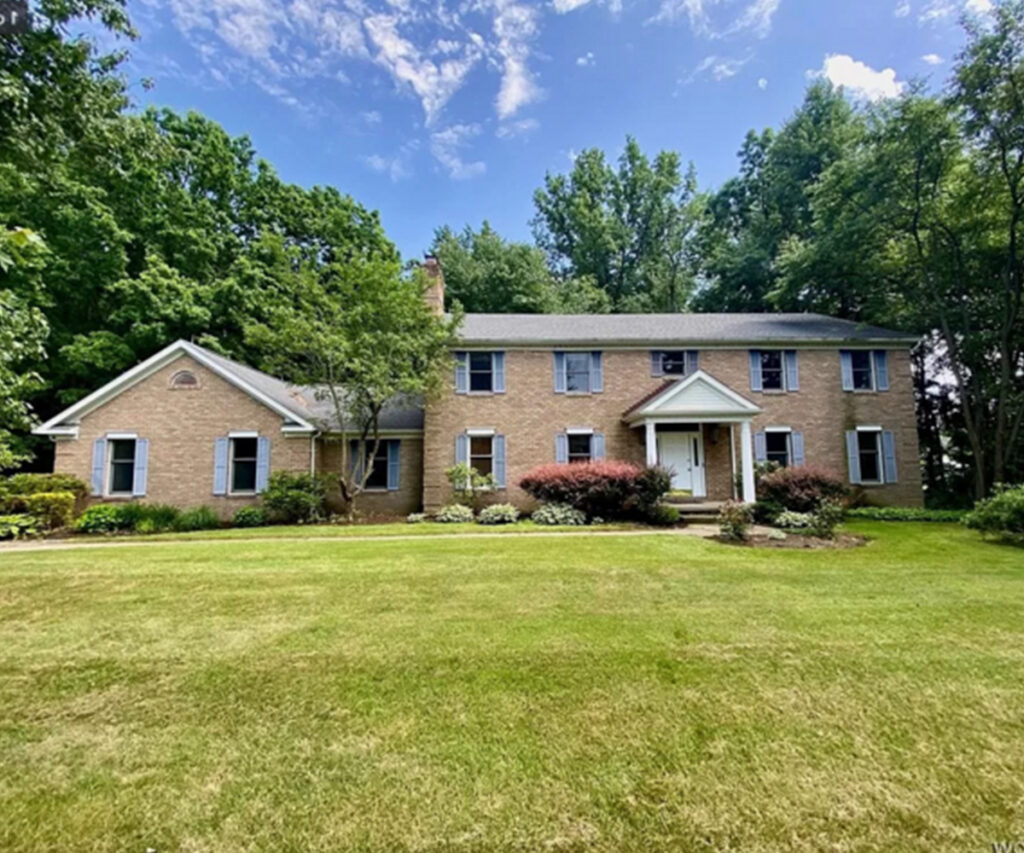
column 609, row 490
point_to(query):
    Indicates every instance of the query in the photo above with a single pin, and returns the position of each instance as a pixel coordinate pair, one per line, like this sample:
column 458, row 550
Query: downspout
column 312, row 451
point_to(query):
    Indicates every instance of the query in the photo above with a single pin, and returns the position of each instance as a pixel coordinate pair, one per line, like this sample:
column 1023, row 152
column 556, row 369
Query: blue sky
column 451, row 111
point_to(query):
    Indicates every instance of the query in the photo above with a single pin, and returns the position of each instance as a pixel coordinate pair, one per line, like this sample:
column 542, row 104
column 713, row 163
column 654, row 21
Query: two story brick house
column 706, row 395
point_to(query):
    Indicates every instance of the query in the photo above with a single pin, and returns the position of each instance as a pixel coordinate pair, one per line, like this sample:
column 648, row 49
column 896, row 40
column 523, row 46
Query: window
column 122, row 466
column 777, row 447
column 870, row 454
column 378, row 478
column 678, row 363
column 243, row 464
column 580, row 448
column 481, row 454
column 863, row 372
column 577, row 372
column 184, row 379
column 481, row 372
column 771, row 370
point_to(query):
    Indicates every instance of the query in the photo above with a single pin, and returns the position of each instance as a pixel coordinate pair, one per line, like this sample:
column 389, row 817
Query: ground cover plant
column 569, row 692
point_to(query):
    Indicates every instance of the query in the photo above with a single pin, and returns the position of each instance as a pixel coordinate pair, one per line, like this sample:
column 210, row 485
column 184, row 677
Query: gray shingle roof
column 663, row 330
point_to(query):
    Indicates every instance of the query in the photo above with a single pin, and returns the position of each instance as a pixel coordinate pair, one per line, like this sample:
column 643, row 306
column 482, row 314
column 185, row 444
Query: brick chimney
column 434, row 294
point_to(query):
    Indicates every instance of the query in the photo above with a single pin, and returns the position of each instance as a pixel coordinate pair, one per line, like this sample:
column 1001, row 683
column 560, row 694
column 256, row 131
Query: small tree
column 469, row 486
column 360, row 333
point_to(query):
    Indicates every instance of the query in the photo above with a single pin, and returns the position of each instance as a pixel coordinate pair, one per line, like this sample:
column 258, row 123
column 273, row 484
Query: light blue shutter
column 755, row 370
column 597, row 446
column 141, row 467
column 657, row 368
column 846, row 369
column 461, row 373
column 99, row 458
column 220, row 466
column 792, row 371
column 889, row 456
column 462, row 449
column 853, row 456
column 882, row 370
column 596, row 373
column 561, row 448
column 498, row 449
column 498, row 362
column 797, row 439
column 760, row 447
column 262, row 463
column 559, row 372
column 692, row 361
column 394, row 449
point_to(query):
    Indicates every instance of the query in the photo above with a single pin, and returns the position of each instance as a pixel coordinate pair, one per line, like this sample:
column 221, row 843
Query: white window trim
column 874, row 375
column 879, row 452
column 232, row 491
column 108, row 492
column 469, row 373
column 589, row 354
column 579, row 431
column 788, row 432
column 783, row 373
column 589, row 433
column 481, row 432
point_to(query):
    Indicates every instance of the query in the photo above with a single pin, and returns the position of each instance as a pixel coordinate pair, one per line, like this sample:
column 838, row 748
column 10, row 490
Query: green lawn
column 569, row 693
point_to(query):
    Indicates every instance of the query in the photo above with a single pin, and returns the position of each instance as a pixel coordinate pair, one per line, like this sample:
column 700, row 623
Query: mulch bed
column 799, row 542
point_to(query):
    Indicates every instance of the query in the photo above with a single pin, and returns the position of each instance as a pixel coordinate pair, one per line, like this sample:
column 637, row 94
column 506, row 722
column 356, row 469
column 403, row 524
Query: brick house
column 706, row 395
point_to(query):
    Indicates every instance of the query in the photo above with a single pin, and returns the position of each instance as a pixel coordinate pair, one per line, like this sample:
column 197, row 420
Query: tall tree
column 489, row 275
column 627, row 229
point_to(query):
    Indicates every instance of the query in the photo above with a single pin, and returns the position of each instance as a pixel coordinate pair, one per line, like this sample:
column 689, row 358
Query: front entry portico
column 676, row 420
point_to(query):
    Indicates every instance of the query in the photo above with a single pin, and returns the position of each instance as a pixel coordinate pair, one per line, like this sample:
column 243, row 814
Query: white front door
column 683, row 454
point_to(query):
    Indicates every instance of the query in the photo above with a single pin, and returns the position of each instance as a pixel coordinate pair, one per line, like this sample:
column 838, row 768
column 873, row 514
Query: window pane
column 480, row 454
column 863, row 379
column 771, row 370
column 777, row 445
column 123, row 449
column 243, row 476
column 480, row 373
column 673, row 363
column 867, row 443
column 480, row 361
column 484, row 465
column 122, row 477
column 245, row 448
column 579, row 448
column 577, row 371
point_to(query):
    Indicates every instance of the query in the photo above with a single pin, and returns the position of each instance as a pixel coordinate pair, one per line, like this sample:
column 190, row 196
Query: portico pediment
column 698, row 396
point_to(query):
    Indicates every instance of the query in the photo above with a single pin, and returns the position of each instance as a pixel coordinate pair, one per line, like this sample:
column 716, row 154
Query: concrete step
column 695, row 509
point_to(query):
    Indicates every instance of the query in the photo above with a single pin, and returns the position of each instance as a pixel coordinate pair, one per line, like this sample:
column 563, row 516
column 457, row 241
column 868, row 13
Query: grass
column 608, row 693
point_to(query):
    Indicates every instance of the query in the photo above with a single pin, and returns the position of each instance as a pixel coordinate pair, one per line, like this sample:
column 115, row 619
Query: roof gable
column 698, row 395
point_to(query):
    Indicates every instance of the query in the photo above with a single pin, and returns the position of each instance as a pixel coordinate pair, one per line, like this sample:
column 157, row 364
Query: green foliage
column 19, row 526
column 468, row 485
column 54, row 510
column 454, row 514
column 251, row 516
column 198, row 518
column 801, row 489
column 902, row 513
column 734, row 520
column 498, row 514
column 662, row 515
column 416, row 518
column 296, row 498
column 558, row 515
column 789, row 520
column 767, row 512
column 1001, row 515
column 605, row 489
column 30, row 484
column 826, row 517
column 109, row 518
column 626, row 229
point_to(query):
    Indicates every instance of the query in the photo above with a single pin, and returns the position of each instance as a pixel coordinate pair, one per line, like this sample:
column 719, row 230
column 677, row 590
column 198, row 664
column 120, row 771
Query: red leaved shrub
column 801, row 489
column 608, row 490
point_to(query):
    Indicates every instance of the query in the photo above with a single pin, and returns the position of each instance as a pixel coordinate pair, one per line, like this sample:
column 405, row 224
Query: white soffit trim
column 482, row 432
column 58, row 425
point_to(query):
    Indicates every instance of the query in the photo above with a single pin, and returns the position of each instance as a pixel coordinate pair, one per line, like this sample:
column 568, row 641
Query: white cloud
column 932, row 59
column 393, row 167
column 563, row 6
column 719, row 68
column 586, row 60
column 512, row 129
column 756, row 16
column 902, row 10
column 936, row 10
column 371, row 117
column 978, row 7
column 859, row 79
column 445, row 146
column 762, row 84
column 514, row 27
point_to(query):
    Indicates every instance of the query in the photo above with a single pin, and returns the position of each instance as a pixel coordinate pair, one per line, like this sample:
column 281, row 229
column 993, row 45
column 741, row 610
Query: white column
column 747, row 458
column 652, row 443
column 732, row 458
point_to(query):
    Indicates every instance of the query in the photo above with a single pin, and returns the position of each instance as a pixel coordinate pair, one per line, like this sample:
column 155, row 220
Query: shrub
column 294, row 498
column 53, row 510
column 198, row 518
column 156, row 518
column 825, row 519
column 18, row 486
column 801, row 489
column 611, row 490
column 1001, row 515
column 662, row 515
column 902, row 513
column 109, row 518
column 454, row 514
column 558, row 515
column 251, row 516
column 767, row 512
column 734, row 521
column 19, row 526
column 499, row 514
column 468, row 485
column 416, row 517
column 789, row 520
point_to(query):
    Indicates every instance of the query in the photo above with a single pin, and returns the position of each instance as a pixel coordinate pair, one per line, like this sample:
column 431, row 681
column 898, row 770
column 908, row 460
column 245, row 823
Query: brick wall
column 529, row 414
column 382, row 504
column 181, row 426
